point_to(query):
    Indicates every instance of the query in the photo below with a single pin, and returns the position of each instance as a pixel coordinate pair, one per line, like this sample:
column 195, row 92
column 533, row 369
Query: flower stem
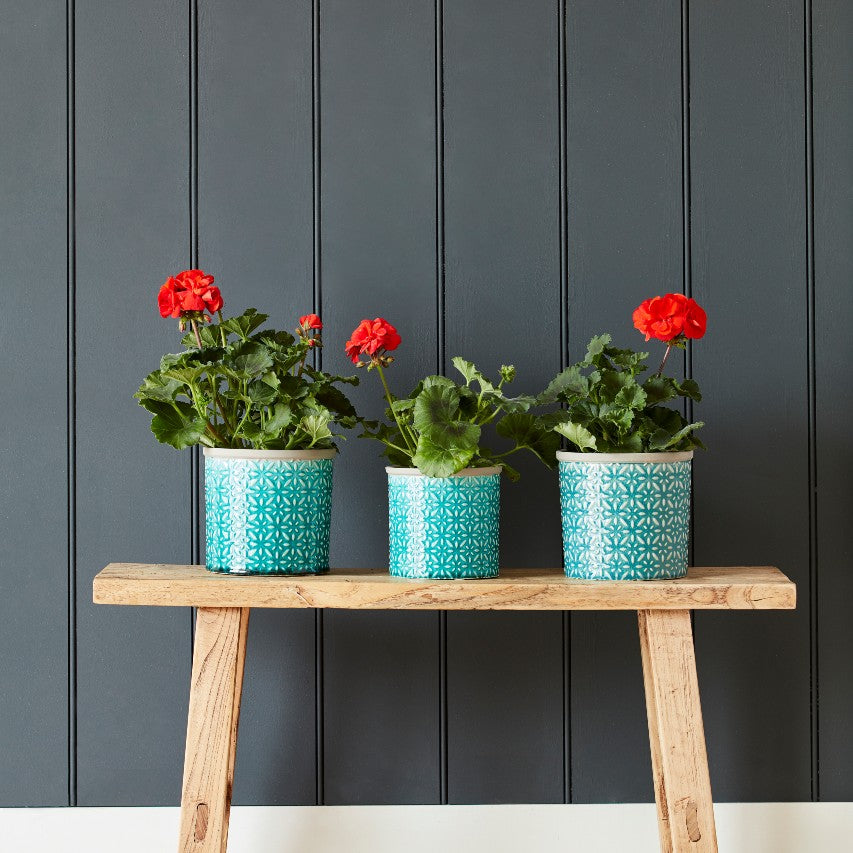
column 665, row 357
column 406, row 437
column 195, row 332
column 221, row 330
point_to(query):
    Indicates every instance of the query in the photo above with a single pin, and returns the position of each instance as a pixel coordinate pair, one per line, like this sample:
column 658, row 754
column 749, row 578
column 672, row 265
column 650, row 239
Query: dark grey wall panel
column 33, row 454
column 625, row 243
column 378, row 259
column 350, row 161
column 833, row 269
column 751, row 487
column 501, row 202
column 256, row 236
column 133, row 495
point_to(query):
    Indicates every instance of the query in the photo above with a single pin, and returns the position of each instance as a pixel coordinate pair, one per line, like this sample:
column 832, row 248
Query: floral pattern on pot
column 625, row 520
column 443, row 528
column 267, row 516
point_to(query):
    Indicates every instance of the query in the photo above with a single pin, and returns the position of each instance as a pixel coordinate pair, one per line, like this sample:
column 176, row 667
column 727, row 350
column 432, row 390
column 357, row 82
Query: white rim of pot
column 609, row 458
column 465, row 472
column 275, row 455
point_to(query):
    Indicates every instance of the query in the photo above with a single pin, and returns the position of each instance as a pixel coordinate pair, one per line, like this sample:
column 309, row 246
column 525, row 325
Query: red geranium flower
column 667, row 317
column 310, row 321
column 189, row 291
column 373, row 338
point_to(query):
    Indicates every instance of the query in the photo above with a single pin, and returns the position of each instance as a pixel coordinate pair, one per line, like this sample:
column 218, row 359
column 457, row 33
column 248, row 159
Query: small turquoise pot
column 626, row 516
column 268, row 511
column 444, row 528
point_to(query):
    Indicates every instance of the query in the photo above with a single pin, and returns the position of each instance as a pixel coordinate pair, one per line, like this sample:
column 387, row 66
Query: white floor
column 741, row 828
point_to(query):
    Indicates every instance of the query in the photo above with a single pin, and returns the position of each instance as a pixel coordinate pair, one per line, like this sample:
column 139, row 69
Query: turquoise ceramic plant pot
column 268, row 511
column 443, row 528
column 626, row 516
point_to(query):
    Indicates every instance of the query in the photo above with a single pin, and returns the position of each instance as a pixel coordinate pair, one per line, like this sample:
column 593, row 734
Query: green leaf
column 156, row 387
column 596, row 348
column 261, row 393
column 511, row 472
column 627, row 358
column 690, row 388
column 335, row 400
column 631, row 397
column 317, row 427
column 578, row 435
column 276, row 340
column 527, row 432
column 662, row 440
column 250, row 359
column 177, row 424
column 400, row 407
column 466, row 368
column 612, row 382
column 508, row 404
column 570, row 383
column 618, row 416
column 659, row 389
column 431, row 382
column 471, row 373
column 437, row 404
column 245, row 324
column 444, row 450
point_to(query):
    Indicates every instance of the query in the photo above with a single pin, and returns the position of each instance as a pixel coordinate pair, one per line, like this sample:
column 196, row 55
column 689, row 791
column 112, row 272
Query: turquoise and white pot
column 626, row 516
column 268, row 511
column 444, row 528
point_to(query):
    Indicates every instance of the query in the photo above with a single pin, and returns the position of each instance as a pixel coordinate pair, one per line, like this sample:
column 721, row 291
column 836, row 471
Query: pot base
column 262, row 572
column 416, row 573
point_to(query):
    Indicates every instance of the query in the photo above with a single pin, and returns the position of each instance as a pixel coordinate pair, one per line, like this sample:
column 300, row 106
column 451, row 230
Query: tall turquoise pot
column 444, row 528
column 626, row 516
column 268, row 511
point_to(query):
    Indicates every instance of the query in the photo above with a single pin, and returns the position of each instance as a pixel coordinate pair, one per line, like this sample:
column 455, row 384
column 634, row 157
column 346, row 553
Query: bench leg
column 676, row 734
column 217, row 682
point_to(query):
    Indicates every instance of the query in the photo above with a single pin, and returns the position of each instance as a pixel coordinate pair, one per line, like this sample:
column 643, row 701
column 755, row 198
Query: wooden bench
column 679, row 759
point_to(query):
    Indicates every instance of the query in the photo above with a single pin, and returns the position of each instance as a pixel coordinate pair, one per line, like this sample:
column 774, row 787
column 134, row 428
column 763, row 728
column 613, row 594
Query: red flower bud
column 310, row 321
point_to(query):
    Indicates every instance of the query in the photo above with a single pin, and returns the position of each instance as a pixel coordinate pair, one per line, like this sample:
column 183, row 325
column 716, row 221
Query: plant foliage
column 438, row 428
column 248, row 388
column 609, row 409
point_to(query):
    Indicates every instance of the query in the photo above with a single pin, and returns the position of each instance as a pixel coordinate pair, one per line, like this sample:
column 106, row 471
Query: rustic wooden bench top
column 723, row 588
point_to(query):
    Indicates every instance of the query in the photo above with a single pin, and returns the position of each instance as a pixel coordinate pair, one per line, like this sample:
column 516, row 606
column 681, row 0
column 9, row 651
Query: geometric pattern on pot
column 267, row 516
column 625, row 520
column 443, row 528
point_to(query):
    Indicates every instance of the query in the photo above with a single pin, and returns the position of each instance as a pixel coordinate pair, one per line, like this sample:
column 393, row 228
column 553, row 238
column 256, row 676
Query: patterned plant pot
column 268, row 511
column 443, row 528
column 626, row 516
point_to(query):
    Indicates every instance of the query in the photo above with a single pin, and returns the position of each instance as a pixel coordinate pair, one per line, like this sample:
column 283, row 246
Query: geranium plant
column 610, row 408
column 438, row 427
column 235, row 385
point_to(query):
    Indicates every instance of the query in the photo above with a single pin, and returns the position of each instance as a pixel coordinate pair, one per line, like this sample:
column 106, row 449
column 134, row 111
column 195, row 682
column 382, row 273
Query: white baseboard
column 741, row 828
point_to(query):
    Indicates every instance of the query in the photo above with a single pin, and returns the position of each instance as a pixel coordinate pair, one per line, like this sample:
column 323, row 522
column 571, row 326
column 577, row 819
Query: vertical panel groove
column 564, row 361
column 318, row 355
column 317, row 285
column 441, row 358
column 195, row 458
column 71, row 256
column 814, row 683
column 686, row 241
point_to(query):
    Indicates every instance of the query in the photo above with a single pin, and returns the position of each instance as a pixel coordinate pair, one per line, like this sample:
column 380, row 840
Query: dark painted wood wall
column 501, row 180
